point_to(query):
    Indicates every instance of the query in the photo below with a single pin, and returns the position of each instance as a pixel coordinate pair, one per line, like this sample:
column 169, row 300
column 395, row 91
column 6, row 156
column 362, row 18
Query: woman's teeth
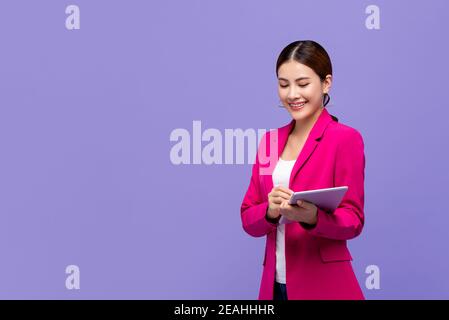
column 297, row 105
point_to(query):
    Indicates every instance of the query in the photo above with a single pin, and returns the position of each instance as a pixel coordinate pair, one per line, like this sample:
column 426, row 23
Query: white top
column 281, row 176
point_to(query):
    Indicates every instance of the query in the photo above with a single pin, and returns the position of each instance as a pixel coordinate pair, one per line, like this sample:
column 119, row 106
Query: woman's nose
column 293, row 95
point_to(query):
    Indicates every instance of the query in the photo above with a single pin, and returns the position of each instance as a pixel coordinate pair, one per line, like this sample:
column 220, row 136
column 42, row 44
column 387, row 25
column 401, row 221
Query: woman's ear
column 327, row 83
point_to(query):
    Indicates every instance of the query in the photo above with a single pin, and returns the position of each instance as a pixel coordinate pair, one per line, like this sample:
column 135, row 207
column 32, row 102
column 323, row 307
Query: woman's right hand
column 275, row 198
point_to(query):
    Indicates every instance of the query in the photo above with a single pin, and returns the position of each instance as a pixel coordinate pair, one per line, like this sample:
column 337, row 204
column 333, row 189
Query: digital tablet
column 326, row 199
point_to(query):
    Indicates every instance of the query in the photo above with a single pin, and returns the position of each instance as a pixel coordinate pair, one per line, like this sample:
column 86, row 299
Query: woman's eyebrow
column 301, row 78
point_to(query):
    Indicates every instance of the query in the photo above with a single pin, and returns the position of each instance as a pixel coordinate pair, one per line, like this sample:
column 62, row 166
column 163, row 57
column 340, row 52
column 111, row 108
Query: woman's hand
column 305, row 211
column 275, row 198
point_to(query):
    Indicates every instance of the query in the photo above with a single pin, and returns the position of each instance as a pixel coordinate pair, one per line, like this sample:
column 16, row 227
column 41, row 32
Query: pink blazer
column 318, row 262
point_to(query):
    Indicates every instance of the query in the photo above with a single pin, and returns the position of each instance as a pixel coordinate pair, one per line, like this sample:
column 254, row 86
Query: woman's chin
column 298, row 115
column 302, row 114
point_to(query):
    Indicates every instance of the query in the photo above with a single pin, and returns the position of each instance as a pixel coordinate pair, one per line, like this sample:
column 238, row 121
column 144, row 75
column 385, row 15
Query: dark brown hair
column 311, row 54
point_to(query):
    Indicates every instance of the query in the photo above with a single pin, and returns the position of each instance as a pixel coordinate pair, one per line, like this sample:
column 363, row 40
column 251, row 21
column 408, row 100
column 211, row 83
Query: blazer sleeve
column 253, row 209
column 347, row 221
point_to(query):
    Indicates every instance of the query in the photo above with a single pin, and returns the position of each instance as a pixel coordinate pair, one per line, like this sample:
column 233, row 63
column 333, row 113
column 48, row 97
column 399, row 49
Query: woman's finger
column 284, row 189
column 277, row 200
column 284, row 204
column 283, row 194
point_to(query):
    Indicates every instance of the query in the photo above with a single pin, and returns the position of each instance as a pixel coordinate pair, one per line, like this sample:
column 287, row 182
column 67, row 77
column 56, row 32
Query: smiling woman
column 307, row 259
column 304, row 81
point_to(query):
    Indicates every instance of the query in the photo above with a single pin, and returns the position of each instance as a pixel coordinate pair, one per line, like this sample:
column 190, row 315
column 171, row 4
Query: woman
column 307, row 258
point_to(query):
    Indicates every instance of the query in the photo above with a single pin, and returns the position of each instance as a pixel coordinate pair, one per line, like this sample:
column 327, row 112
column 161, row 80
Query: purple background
column 86, row 115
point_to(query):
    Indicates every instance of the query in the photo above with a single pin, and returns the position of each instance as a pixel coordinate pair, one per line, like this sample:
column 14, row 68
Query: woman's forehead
column 294, row 70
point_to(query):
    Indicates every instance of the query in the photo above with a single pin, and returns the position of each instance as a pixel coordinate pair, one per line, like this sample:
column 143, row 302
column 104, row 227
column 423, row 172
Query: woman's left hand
column 305, row 211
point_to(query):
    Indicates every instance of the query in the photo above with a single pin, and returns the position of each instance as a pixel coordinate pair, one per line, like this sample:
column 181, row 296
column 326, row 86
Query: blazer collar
column 311, row 143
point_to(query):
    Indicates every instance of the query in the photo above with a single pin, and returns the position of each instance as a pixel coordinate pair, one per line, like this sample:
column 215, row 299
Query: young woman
column 307, row 258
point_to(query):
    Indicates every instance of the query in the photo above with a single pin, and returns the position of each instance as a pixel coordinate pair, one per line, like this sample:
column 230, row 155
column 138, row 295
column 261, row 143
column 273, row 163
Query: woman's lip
column 297, row 105
column 301, row 102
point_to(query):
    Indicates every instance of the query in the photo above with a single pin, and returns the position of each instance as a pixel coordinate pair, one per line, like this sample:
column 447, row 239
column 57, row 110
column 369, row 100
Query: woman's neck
column 304, row 126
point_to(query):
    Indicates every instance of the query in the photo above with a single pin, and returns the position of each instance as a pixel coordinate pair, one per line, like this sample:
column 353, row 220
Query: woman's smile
column 297, row 106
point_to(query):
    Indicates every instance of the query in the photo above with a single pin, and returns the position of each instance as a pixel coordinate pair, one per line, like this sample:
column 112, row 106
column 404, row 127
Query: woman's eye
column 302, row 86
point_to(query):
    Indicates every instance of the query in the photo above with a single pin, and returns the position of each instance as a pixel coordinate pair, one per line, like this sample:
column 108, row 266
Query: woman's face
column 298, row 84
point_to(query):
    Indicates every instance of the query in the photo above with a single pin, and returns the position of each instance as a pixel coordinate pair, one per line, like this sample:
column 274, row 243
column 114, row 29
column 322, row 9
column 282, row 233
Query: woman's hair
column 311, row 54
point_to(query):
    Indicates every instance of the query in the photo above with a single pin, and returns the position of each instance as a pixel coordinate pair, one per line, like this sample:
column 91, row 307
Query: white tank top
column 281, row 176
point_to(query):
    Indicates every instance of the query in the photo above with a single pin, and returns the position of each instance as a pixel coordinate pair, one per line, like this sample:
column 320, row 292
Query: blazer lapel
column 311, row 143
